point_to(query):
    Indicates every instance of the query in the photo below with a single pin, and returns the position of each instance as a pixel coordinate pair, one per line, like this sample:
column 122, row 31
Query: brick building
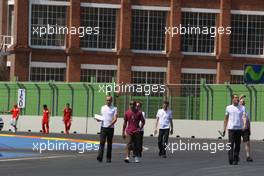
column 132, row 45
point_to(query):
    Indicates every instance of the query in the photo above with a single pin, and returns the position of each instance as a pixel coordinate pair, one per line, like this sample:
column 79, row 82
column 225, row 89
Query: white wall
column 183, row 128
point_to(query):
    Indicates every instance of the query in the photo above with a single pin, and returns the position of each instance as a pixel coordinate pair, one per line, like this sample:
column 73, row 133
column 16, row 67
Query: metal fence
column 85, row 99
column 201, row 101
column 193, row 102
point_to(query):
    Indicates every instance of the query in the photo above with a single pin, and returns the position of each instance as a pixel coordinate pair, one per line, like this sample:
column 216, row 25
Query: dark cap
column 242, row 96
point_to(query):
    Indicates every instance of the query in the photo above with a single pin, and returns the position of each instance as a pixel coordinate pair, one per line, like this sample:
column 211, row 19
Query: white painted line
column 36, row 158
column 145, row 148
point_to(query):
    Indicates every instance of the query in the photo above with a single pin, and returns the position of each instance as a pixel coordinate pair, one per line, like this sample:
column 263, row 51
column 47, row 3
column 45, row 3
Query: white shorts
column 13, row 122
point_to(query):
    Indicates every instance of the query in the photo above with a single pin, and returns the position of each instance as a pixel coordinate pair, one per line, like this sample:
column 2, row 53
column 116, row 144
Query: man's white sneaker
column 126, row 160
column 136, row 160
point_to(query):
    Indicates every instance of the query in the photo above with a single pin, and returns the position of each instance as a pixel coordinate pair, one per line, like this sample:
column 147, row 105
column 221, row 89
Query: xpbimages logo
column 79, row 147
column 146, row 89
column 188, row 145
column 189, row 30
column 56, row 29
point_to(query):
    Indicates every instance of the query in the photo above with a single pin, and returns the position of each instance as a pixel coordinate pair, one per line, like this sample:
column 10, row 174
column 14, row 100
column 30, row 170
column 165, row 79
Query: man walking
column 45, row 120
column 235, row 122
column 247, row 132
column 141, row 133
column 109, row 118
column 67, row 118
column 15, row 115
column 164, row 119
column 131, row 131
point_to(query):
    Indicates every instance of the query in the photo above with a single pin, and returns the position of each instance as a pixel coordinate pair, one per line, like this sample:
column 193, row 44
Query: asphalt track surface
column 180, row 163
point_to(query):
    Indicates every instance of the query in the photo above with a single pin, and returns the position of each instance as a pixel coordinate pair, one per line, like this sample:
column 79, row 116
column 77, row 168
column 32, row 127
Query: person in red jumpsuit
column 45, row 120
column 67, row 118
column 15, row 115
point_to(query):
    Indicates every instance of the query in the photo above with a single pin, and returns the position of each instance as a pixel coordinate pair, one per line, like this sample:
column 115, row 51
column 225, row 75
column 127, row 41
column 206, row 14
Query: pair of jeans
column 234, row 138
column 133, row 143
column 141, row 135
column 106, row 135
column 162, row 140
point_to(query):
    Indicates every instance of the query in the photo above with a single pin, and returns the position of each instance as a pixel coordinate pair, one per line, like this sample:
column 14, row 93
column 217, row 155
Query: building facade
column 129, row 40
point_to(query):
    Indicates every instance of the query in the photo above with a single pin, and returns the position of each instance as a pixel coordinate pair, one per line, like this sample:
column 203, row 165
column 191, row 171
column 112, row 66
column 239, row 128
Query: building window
column 195, row 40
column 98, row 76
column 51, row 18
column 194, row 80
column 141, row 78
column 47, row 74
column 247, row 37
column 148, row 30
column 237, row 79
column 102, row 20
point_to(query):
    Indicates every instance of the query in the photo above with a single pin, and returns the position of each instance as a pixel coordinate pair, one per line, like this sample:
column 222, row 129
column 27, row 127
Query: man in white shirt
column 235, row 122
column 247, row 132
column 139, row 106
column 164, row 119
column 109, row 118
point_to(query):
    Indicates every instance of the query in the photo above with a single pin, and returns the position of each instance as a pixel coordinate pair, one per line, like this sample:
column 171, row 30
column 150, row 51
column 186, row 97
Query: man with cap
column 139, row 107
column 247, row 132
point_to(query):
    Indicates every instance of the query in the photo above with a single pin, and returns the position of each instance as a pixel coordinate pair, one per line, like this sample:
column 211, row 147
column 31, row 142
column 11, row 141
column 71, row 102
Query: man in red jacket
column 67, row 118
column 45, row 120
